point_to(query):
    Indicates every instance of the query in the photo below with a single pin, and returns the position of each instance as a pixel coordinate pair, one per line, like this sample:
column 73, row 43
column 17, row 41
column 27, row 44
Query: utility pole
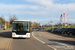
column 5, row 22
column 62, row 24
column 68, row 18
column 8, row 20
column 52, row 21
column 52, row 18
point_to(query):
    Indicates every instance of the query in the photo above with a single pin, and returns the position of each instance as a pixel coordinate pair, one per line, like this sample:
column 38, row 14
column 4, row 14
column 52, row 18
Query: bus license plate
column 21, row 36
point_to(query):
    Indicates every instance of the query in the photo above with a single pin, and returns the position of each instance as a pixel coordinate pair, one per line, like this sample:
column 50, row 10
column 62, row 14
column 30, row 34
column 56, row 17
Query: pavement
column 56, row 42
column 8, row 43
column 40, row 40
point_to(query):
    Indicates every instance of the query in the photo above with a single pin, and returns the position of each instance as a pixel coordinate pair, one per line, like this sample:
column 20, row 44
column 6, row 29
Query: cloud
column 21, row 9
column 64, row 1
column 49, row 4
column 34, row 13
column 65, row 6
column 57, row 8
column 72, row 20
column 44, row 7
column 40, row 8
column 10, row 6
column 38, row 20
column 41, row 2
column 43, row 20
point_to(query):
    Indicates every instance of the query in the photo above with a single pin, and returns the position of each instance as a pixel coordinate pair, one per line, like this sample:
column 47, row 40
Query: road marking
column 51, row 36
column 38, row 39
column 10, row 44
column 7, row 45
column 62, row 44
column 43, row 42
column 59, row 42
column 52, row 47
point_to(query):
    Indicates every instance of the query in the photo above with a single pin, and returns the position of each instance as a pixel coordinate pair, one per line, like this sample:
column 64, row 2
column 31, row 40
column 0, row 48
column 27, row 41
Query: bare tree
column 11, row 19
column 36, row 24
column 2, row 20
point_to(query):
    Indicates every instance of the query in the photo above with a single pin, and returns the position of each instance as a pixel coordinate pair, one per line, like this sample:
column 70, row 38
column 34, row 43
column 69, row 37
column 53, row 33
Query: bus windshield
column 21, row 26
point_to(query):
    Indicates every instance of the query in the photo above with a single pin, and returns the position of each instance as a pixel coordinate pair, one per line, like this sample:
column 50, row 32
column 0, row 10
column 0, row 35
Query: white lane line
column 38, row 39
column 62, row 44
column 51, row 47
column 10, row 44
column 59, row 42
column 43, row 42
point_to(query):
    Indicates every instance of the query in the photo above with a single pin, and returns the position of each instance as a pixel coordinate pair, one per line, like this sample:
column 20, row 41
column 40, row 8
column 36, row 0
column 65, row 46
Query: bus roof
column 22, row 20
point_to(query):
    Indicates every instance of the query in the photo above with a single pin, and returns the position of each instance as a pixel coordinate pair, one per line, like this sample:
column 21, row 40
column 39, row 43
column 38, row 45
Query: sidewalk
column 4, row 30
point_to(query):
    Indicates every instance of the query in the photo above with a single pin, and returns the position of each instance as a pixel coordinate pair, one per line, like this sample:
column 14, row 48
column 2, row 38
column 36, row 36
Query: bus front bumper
column 21, row 36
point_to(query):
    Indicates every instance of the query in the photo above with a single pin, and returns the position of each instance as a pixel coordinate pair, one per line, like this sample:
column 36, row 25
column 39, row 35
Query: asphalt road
column 7, row 43
column 54, row 41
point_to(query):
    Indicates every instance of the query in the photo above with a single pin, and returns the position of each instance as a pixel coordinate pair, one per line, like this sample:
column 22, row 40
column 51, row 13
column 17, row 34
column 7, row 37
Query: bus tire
column 13, row 38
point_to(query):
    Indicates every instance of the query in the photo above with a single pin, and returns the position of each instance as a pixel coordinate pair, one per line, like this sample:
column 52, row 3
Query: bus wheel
column 13, row 38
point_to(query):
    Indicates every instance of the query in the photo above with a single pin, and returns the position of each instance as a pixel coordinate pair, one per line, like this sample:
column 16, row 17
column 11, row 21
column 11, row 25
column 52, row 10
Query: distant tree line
column 35, row 24
column 11, row 19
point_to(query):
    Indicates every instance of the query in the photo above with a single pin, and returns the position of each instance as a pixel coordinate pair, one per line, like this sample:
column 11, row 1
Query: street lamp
column 5, row 22
column 52, row 19
column 8, row 20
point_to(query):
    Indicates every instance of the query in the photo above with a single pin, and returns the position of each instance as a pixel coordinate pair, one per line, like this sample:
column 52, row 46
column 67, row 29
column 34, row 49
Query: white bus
column 21, row 29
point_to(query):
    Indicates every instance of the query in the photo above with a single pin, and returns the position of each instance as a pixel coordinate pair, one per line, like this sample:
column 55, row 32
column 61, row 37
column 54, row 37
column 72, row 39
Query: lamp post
column 8, row 20
column 52, row 19
column 5, row 22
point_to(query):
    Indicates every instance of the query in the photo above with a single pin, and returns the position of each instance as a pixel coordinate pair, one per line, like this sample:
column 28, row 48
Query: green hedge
column 47, row 28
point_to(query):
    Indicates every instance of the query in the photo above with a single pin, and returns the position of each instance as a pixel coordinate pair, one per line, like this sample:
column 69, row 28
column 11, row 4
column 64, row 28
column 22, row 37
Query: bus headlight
column 28, row 34
column 13, row 33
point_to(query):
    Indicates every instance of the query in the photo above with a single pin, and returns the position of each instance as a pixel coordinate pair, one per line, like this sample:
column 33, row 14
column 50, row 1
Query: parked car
column 54, row 29
column 71, row 32
column 66, row 31
column 57, row 30
column 49, row 30
column 63, row 30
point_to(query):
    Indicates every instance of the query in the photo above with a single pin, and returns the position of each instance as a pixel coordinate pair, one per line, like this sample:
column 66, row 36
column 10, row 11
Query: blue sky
column 40, row 11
